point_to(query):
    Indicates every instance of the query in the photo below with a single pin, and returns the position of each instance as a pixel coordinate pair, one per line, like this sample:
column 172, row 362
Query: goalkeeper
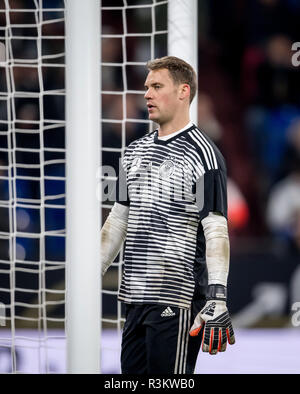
column 171, row 209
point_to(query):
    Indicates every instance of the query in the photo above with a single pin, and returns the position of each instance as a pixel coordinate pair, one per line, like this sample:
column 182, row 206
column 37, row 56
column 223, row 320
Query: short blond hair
column 180, row 71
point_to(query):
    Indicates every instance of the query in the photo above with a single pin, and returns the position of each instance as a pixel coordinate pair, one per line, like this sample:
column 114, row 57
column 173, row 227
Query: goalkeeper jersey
column 169, row 186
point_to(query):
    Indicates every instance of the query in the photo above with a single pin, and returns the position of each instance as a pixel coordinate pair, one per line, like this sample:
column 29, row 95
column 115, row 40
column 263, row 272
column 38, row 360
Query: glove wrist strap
column 216, row 292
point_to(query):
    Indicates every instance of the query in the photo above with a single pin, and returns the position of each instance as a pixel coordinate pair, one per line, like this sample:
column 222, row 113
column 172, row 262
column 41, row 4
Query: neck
column 173, row 126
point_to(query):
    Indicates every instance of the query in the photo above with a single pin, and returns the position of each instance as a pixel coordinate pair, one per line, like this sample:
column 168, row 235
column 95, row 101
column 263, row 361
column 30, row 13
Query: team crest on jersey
column 166, row 169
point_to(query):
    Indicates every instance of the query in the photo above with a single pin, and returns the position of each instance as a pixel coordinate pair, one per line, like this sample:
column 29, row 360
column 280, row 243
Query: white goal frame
column 83, row 210
column 83, row 279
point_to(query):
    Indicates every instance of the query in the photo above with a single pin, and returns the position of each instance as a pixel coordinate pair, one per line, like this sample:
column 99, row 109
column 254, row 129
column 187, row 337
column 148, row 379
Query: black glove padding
column 217, row 326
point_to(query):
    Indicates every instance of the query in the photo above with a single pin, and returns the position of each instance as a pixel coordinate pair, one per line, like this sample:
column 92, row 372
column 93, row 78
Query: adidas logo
column 168, row 312
column 210, row 309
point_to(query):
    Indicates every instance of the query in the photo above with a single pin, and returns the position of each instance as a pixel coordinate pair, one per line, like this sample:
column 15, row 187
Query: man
column 171, row 209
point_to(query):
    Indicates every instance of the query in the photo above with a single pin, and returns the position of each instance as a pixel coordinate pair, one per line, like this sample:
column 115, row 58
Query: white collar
column 167, row 137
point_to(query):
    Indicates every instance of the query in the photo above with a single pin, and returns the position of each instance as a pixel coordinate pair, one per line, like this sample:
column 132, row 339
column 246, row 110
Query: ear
column 184, row 91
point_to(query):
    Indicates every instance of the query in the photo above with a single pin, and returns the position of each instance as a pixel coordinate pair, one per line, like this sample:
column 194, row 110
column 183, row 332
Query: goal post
column 183, row 36
column 83, row 313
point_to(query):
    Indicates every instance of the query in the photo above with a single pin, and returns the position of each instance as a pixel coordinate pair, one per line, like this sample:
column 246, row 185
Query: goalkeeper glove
column 216, row 320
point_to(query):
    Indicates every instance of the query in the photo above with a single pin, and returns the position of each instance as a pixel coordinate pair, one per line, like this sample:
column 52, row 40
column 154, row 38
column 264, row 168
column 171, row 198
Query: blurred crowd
column 253, row 87
column 251, row 91
column 248, row 103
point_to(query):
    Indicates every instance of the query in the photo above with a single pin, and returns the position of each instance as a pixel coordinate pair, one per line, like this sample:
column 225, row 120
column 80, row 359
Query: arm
column 113, row 234
column 214, row 316
column 217, row 248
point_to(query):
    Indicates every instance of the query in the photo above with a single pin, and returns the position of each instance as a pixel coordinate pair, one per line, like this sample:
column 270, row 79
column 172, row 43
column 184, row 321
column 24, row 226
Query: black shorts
column 156, row 340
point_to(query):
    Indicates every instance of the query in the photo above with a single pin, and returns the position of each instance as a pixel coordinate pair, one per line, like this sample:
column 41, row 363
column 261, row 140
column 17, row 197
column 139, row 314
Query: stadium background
column 248, row 103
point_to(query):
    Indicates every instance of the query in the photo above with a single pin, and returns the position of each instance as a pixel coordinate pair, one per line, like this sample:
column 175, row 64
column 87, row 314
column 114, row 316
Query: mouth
column 150, row 107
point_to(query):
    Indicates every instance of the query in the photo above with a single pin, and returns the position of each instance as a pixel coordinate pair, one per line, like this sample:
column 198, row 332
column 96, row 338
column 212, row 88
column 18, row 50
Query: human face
column 162, row 96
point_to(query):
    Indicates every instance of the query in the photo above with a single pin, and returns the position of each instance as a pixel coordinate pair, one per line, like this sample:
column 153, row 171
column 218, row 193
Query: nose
column 147, row 95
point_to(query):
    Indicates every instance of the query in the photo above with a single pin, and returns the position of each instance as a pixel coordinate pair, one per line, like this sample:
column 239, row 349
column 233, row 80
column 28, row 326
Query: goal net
column 32, row 193
column 33, row 167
